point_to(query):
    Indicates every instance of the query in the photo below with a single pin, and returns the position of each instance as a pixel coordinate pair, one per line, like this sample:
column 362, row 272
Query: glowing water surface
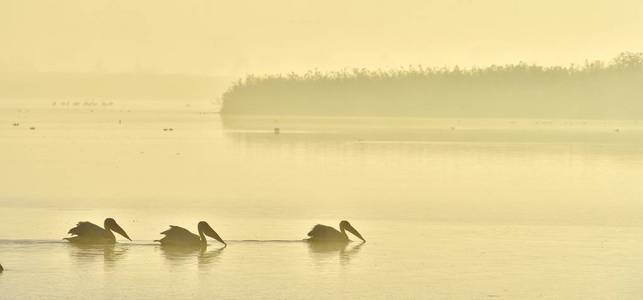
column 457, row 209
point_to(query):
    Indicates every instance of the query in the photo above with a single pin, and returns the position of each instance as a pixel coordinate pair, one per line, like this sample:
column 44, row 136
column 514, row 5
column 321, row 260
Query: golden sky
column 236, row 37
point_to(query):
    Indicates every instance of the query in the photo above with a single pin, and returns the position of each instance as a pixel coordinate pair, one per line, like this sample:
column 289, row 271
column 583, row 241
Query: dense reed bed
column 603, row 90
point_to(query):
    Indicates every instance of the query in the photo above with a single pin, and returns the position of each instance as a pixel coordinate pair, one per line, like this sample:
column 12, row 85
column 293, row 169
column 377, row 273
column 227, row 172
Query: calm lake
column 450, row 209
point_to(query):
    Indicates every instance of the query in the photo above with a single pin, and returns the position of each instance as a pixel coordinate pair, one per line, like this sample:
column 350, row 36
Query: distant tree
column 629, row 61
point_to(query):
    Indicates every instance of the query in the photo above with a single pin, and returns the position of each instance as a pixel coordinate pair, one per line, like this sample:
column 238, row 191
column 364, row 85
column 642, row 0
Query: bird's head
column 111, row 224
column 345, row 225
column 205, row 228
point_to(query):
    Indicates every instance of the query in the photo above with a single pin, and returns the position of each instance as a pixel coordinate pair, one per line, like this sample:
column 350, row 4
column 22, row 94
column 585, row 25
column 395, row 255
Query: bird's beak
column 354, row 231
column 213, row 234
column 120, row 231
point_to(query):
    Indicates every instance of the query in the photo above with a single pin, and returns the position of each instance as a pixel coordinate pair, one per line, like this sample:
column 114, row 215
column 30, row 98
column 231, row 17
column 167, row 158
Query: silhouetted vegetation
column 593, row 90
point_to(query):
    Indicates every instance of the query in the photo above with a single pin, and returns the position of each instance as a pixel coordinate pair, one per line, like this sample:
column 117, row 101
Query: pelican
column 90, row 233
column 326, row 234
column 179, row 236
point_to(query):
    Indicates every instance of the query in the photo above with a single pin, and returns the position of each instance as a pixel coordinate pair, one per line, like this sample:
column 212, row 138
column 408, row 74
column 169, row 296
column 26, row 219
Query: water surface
column 452, row 209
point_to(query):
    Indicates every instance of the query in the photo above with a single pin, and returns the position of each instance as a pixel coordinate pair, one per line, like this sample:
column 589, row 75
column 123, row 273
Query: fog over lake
column 281, row 149
column 498, row 208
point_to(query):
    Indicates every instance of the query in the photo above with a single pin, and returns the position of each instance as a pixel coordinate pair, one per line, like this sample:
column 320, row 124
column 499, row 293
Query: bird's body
column 323, row 233
column 90, row 233
column 326, row 234
column 180, row 237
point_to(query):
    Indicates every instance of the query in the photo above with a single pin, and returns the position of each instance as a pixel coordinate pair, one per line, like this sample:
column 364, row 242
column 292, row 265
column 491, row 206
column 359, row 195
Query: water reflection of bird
column 180, row 254
column 186, row 255
column 343, row 248
column 90, row 233
column 109, row 253
column 326, row 234
column 208, row 257
column 323, row 251
column 181, row 237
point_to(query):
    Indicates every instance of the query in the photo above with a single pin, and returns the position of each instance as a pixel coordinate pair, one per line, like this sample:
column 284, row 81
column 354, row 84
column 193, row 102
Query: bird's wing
column 176, row 231
column 86, row 229
column 320, row 229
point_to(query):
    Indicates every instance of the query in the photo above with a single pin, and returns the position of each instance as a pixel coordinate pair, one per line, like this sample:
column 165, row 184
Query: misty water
column 450, row 209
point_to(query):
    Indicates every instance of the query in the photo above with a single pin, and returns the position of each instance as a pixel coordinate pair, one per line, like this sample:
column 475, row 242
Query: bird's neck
column 109, row 231
column 202, row 236
column 343, row 231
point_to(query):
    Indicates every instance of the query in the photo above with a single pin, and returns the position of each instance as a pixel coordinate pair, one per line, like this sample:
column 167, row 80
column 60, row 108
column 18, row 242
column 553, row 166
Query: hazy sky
column 235, row 37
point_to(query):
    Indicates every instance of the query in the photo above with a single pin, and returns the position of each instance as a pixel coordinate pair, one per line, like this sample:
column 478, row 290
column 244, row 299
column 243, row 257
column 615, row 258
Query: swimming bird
column 90, row 233
column 326, row 234
column 181, row 237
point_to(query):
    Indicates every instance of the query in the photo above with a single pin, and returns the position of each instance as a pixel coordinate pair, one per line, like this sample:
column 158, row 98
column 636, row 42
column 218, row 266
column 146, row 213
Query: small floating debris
column 16, row 124
column 32, row 128
column 617, row 130
column 276, row 130
column 168, row 129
